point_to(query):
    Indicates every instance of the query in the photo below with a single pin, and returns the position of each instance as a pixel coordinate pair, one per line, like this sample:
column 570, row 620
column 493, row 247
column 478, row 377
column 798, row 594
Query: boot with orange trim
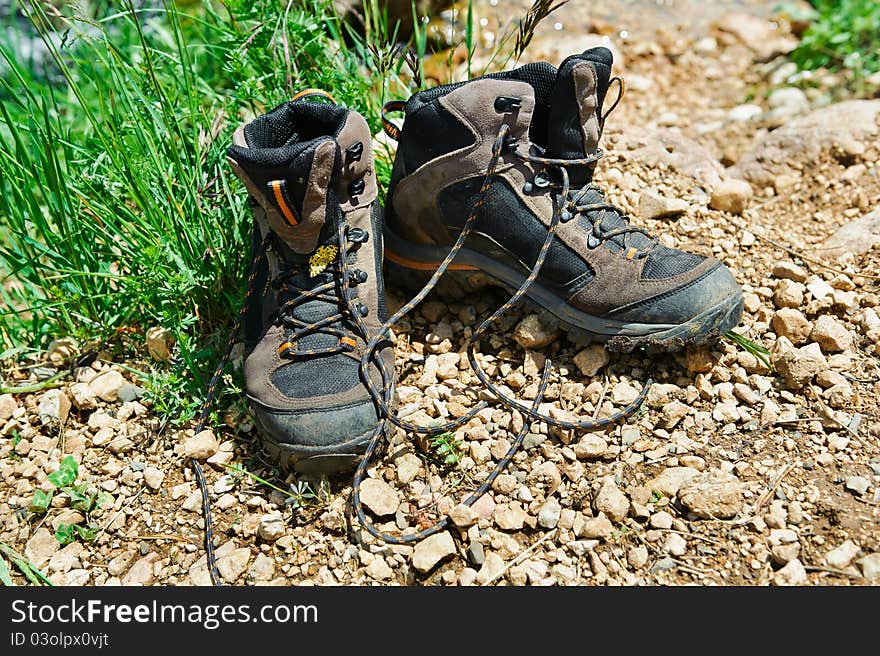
column 506, row 161
column 315, row 294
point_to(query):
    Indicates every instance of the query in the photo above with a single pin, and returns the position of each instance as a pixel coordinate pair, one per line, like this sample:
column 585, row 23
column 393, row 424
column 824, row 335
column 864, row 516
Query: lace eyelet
column 357, row 277
column 505, row 104
column 565, row 216
column 355, row 152
column 357, row 187
column 357, row 235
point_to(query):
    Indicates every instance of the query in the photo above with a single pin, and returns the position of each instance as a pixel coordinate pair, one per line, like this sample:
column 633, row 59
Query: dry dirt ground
column 732, row 473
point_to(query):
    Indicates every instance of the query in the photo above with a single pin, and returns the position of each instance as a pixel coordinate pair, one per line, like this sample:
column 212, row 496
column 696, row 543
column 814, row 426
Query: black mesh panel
column 509, row 222
column 430, row 132
column 666, row 262
column 333, row 374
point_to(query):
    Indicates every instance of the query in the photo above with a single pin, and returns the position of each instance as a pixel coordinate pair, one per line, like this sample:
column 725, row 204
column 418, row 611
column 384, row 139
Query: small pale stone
column 596, row 527
column 379, row 569
column 624, row 393
column 731, row 195
column 792, row 574
column 788, row 294
column 153, row 477
column 379, row 497
column 262, row 569
column 671, row 479
column 234, row 565
column 271, row 526
column 857, row 485
column 106, row 385
column 791, row 323
column 675, row 545
column 54, row 406
column 463, row 516
column 119, row 564
column 713, row 494
column 637, row 556
column 785, row 553
column 201, row 446
column 530, row 333
column 661, row 520
column 141, row 573
column 82, row 396
column 653, row 205
column 698, row 359
column 8, row 406
column 870, row 565
column 591, row 359
column 790, row 271
column 831, row 335
column 407, row 468
column 590, row 447
column 510, row 517
column 611, row 501
column 673, row 412
column 548, row 514
column 159, row 343
column 797, row 366
column 41, row 547
column 842, row 556
column 432, row 550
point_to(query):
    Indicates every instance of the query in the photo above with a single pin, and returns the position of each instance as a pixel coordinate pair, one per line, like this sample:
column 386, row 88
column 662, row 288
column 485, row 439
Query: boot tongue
column 574, row 108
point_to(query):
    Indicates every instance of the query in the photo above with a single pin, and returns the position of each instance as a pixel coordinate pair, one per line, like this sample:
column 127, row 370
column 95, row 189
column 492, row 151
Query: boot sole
column 471, row 271
column 330, row 459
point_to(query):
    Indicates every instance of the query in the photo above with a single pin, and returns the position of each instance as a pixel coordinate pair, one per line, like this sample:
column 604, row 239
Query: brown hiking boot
column 316, row 291
column 539, row 129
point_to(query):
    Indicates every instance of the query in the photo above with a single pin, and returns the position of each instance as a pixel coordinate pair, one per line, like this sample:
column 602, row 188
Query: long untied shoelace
column 383, row 397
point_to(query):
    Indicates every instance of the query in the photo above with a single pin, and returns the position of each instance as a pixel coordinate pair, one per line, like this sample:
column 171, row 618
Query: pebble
column 611, row 501
column 675, row 545
column 432, row 550
column 590, row 447
column 870, row 565
column 379, row 497
column 624, row 393
column 531, row 333
column 791, row 323
column 129, row 393
column 271, row 526
column 106, row 385
column 54, row 406
column 671, row 479
column 788, row 294
column 745, row 112
column 201, row 446
column 673, row 412
column 234, row 564
column 797, row 366
column 463, row 516
column 713, row 494
column 591, row 359
column 637, row 556
column 596, row 527
column 407, row 468
column 153, row 477
column 141, row 573
column 842, row 556
column 831, row 335
column 262, row 569
column 159, row 343
column 82, row 396
column 120, row 564
column 858, row 485
column 41, row 547
column 732, row 196
column 510, row 517
column 661, row 520
column 790, row 271
column 491, row 568
column 792, row 574
column 548, row 514
column 8, row 406
column 654, row 205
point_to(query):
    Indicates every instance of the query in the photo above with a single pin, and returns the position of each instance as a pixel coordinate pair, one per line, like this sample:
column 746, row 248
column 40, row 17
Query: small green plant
column 843, row 34
column 63, row 480
column 655, row 496
column 31, row 572
column 748, row 345
column 446, row 448
column 299, row 494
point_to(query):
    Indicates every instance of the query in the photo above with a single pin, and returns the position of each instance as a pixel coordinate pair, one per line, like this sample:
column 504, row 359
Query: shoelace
column 348, row 239
column 383, row 399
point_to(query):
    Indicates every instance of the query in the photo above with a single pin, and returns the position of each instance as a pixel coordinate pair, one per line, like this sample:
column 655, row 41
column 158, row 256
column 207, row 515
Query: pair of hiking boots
column 492, row 179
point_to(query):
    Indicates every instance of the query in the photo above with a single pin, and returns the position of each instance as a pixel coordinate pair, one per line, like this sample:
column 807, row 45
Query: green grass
column 117, row 207
column 843, row 34
column 118, row 210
